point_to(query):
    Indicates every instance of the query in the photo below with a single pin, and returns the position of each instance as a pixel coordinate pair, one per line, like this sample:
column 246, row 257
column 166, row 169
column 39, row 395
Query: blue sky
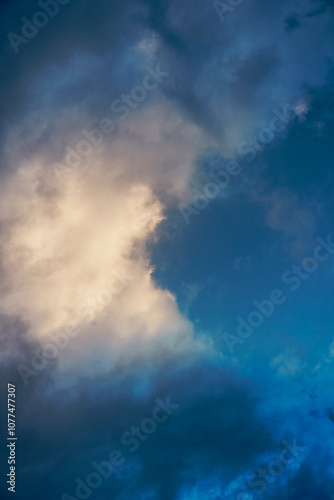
column 166, row 243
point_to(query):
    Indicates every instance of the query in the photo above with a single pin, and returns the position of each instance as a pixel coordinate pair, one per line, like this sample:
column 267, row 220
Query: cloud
column 208, row 436
column 75, row 254
column 75, row 251
column 288, row 364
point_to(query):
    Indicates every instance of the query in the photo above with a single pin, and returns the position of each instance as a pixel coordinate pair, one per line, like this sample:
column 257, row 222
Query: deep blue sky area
column 167, row 250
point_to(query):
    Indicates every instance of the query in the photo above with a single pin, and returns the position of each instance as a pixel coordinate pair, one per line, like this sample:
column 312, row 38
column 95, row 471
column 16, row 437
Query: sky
column 167, row 249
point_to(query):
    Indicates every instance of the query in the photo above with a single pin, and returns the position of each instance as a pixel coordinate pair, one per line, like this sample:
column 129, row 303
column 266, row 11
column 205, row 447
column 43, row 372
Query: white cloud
column 66, row 240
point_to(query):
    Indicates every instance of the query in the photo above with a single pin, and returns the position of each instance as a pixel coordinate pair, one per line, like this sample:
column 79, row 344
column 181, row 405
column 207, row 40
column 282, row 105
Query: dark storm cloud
column 208, row 435
column 212, row 432
column 216, row 432
column 17, row 348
